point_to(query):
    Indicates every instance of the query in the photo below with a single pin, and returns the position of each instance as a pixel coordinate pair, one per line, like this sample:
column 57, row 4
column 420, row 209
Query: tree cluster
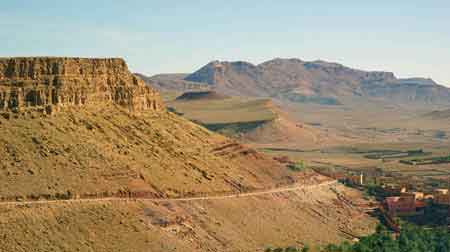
column 411, row 239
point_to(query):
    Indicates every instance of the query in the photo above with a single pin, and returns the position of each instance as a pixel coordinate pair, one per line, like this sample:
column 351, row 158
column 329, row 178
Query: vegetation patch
column 412, row 238
column 232, row 129
column 288, row 249
column 283, row 150
column 293, row 97
column 202, row 95
column 390, row 154
column 297, row 166
column 427, row 161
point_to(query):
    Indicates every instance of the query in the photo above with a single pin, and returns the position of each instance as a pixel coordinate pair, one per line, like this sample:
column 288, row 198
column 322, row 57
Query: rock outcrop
column 46, row 84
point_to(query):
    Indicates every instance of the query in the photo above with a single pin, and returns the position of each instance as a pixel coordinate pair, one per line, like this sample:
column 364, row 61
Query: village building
column 403, row 206
column 357, row 180
column 441, row 197
column 416, row 195
column 394, row 189
column 428, row 197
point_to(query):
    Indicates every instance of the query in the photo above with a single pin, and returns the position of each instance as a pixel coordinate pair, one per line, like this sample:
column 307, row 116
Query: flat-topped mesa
column 48, row 83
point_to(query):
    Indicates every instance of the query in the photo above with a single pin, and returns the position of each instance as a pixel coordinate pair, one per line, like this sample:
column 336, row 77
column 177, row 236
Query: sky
column 410, row 38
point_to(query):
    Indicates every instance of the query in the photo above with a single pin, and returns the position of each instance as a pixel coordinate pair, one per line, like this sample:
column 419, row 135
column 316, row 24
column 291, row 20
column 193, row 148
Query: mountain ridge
column 319, row 81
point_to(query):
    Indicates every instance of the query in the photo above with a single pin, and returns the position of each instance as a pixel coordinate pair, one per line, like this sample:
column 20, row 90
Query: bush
column 297, row 166
column 288, row 249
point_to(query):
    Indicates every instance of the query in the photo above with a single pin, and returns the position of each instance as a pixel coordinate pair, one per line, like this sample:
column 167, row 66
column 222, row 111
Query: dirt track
column 240, row 195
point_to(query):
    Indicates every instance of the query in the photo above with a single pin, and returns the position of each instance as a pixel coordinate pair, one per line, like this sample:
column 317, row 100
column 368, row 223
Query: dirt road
column 239, row 195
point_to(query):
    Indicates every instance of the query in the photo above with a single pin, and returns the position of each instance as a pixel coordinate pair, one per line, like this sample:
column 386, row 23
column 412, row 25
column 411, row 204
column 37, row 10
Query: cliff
column 47, row 84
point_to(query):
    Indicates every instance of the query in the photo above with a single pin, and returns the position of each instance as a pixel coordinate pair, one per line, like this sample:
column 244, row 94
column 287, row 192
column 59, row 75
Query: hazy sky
column 410, row 38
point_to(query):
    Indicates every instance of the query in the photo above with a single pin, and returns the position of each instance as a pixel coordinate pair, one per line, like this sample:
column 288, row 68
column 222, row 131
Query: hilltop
column 254, row 121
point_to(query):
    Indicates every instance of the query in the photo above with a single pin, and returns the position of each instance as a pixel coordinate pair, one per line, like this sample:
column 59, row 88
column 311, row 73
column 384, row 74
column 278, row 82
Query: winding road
column 198, row 198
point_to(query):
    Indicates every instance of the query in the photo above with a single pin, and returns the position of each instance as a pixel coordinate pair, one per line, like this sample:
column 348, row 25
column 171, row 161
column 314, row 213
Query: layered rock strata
column 47, row 84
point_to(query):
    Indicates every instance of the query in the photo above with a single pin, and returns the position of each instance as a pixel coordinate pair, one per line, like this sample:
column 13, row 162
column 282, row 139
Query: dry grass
column 86, row 227
column 108, row 149
column 234, row 110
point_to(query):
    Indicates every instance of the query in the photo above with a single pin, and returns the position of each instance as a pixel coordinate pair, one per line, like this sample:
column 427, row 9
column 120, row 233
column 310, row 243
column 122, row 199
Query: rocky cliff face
column 47, row 84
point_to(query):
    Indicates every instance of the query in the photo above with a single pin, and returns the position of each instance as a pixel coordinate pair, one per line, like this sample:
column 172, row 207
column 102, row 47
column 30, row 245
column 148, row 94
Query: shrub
column 297, row 166
column 287, row 249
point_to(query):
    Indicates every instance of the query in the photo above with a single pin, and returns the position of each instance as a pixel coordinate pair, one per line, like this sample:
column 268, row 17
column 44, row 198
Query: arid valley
column 146, row 138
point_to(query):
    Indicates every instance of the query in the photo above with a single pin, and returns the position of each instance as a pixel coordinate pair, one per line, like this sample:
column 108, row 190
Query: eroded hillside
column 313, row 216
column 103, row 145
column 259, row 122
column 88, row 152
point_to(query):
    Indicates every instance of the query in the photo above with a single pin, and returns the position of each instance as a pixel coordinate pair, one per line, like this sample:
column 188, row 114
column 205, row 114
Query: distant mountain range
column 295, row 80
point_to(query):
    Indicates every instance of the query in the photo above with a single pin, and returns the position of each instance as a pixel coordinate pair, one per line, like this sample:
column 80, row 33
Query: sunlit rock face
column 46, row 84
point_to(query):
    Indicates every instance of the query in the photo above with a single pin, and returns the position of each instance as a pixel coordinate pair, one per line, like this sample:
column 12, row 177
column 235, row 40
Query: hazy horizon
column 408, row 38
